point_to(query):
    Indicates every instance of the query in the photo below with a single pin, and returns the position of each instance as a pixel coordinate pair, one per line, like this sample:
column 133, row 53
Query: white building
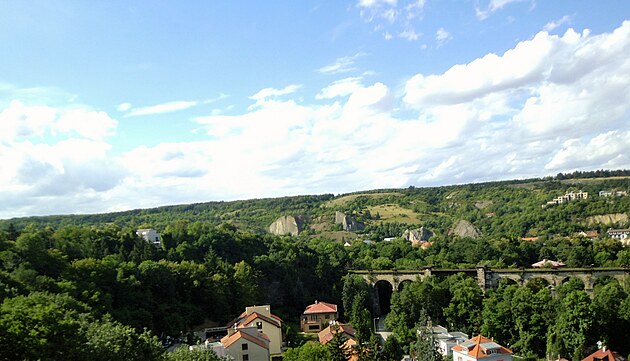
column 446, row 340
column 150, row 235
column 620, row 234
column 246, row 344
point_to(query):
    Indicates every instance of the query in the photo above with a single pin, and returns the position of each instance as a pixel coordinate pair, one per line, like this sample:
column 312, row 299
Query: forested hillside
column 67, row 281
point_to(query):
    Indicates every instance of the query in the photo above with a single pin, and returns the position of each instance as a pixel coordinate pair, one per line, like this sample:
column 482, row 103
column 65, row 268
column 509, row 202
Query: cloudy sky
column 113, row 105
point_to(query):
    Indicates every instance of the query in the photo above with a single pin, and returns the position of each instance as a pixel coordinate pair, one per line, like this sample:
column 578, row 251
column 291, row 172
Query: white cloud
column 410, row 34
column 340, row 88
column 123, row 107
column 552, row 25
column 442, row 36
column 552, row 103
column 397, row 16
column 493, row 6
column 341, row 65
column 168, row 107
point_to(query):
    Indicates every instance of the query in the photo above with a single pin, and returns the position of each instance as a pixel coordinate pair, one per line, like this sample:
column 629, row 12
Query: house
column 348, row 334
column 529, row 239
column 246, row 344
column 613, row 193
column 545, row 263
column 604, row 354
column 317, row 316
column 446, row 340
column 268, row 324
column 150, row 235
column 571, row 196
column 480, row 347
column 619, row 234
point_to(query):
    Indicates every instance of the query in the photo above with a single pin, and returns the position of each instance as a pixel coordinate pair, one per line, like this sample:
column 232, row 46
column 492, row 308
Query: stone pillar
column 481, row 278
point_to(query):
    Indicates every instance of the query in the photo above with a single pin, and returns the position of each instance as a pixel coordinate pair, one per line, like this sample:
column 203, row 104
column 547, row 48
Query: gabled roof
column 240, row 320
column 604, row 354
column 480, row 347
column 320, row 307
column 327, row 334
column 254, row 315
column 261, row 341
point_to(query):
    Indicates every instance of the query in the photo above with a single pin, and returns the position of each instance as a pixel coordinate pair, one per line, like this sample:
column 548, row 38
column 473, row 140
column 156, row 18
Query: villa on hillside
column 619, row 234
column 317, row 316
column 348, row 334
column 481, row 348
column 268, row 326
column 150, row 235
column 604, row 354
column 571, row 196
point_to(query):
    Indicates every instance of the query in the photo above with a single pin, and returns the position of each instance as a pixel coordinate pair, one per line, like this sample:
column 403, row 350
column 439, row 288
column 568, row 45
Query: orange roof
column 320, row 307
column 326, row 334
column 253, row 316
column 243, row 318
column 604, row 354
column 227, row 341
column 480, row 347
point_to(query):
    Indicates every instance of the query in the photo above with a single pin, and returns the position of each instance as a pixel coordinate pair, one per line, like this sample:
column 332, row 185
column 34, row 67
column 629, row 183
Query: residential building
column 480, row 347
column 620, row 234
column 318, row 316
column 348, row 333
column 571, row 196
column 150, row 235
column 613, row 193
column 268, row 324
column 604, row 354
column 246, row 344
column 446, row 340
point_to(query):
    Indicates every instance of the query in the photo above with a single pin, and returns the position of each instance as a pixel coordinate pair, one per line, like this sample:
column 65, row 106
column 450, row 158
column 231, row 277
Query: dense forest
column 86, row 287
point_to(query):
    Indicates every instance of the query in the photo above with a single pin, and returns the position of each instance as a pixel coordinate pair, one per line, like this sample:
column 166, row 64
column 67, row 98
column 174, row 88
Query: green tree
column 464, row 311
column 392, row 351
column 426, row 347
column 572, row 329
column 196, row 354
column 310, row 351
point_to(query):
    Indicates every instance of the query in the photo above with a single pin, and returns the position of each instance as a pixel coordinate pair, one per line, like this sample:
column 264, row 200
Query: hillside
column 497, row 209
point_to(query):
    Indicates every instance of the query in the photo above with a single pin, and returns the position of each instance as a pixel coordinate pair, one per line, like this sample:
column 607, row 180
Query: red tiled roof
column 253, row 316
column 320, row 307
column 326, row 334
column 227, row 341
column 244, row 318
column 479, row 347
column 604, row 354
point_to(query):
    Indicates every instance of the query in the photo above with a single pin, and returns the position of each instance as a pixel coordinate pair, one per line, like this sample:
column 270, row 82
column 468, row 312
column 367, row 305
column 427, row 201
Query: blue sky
column 126, row 104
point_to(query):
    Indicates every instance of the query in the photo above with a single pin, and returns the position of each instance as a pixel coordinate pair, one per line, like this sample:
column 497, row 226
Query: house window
column 259, row 325
column 246, row 357
column 326, row 316
column 244, row 347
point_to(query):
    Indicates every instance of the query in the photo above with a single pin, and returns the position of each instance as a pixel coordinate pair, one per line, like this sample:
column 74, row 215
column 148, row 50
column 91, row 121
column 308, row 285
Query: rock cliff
column 286, row 225
column 417, row 235
column 348, row 223
column 464, row 229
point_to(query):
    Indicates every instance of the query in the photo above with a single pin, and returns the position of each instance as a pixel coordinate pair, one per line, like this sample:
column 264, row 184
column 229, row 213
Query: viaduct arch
column 486, row 278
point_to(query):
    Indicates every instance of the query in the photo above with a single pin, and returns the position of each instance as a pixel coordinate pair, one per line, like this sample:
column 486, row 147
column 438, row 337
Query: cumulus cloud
column 551, row 103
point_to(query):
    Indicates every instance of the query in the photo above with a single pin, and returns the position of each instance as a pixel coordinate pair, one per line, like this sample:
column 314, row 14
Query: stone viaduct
column 386, row 281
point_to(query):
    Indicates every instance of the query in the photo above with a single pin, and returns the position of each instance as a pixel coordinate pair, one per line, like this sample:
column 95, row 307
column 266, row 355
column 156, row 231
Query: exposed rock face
column 464, row 229
column 417, row 235
column 286, row 225
column 348, row 223
column 482, row 204
column 620, row 218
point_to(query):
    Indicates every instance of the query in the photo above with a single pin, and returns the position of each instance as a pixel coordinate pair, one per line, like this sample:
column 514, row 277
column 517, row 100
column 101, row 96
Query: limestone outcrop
column 417, row 235
column 464, row 229
column 348, row 223
column 286, row 225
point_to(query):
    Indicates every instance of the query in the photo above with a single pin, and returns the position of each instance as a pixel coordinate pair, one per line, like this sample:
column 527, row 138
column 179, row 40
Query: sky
column 116, row 105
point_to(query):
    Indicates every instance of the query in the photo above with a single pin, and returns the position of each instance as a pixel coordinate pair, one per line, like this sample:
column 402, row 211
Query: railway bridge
column 385, row 282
